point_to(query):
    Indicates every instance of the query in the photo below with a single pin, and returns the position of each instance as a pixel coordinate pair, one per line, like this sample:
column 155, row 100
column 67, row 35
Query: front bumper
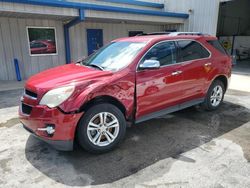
column 64, row 124
column 62, row 145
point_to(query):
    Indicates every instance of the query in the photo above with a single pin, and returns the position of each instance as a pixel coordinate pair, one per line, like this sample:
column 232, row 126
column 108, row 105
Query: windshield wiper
column 95, row 66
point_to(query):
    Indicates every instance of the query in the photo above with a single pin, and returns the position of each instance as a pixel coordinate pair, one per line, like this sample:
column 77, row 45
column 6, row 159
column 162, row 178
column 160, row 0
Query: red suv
column 128, row 81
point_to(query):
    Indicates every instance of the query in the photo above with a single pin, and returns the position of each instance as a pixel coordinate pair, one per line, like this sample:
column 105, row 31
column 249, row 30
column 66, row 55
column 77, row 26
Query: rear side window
column 216, row 44
column 164, row 52
column 191, row 50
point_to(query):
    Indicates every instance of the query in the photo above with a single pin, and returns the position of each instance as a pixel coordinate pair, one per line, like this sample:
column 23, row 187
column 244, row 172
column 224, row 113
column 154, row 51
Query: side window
column 164, row 52
column 216, row 44
column 191, row 50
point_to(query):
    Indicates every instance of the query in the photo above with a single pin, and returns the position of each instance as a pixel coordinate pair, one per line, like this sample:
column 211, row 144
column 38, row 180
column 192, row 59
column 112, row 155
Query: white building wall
column 14, row 44
column 203, row 14
column 124, row 17
column 33, row 9
column 155, row 1
column 78, row 35
column 7, row 8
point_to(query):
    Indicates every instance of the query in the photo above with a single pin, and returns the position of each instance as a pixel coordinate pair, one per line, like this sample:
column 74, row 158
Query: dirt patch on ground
column 10, row 123
column 4, row 164
column 241, row 137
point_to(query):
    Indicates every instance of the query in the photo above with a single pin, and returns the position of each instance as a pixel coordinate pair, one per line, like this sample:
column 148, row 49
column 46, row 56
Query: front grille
column 26, row 109
column 30, row 94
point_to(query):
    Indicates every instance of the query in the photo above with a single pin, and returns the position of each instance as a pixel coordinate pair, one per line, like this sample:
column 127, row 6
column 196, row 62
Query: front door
column 94, row 40
column 158, row 89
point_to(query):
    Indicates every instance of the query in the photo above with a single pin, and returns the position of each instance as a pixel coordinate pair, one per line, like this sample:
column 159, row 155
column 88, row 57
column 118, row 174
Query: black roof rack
column 174, row 33
column 154, row 33
column 187, row 33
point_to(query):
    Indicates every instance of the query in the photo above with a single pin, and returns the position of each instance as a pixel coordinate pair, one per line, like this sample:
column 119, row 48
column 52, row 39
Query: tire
column 213, row 99
column 100, row 139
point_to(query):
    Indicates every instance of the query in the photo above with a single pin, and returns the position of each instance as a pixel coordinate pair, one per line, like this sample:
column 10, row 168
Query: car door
column 160, row 88
column 195, row 61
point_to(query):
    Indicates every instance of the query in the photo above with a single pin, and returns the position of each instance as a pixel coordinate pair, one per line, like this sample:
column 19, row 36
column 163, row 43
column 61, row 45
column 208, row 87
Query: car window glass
column 216, row 44
column 115, row 56
column 191, row 50
column 164, row 52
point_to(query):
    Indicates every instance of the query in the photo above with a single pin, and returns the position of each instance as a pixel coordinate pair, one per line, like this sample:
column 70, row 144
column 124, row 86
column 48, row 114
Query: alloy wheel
column 103, row 129
column 216, row 96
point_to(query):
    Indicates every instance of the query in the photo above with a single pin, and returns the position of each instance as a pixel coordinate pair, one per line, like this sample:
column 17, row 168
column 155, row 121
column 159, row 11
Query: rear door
column 195, row 63
column 158, row 89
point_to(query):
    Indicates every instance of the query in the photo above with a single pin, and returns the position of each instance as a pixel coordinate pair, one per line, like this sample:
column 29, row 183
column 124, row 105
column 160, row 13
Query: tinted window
column 191, row 50
column 216, row 44
column 164, row 52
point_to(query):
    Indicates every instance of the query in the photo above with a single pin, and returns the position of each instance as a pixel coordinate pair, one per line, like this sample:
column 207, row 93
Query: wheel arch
column 104, row 99
column 223, row 79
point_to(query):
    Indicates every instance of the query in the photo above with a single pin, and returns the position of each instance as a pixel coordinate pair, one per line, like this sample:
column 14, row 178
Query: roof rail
column 186, row 33
column 174, row 33
column 154, row 33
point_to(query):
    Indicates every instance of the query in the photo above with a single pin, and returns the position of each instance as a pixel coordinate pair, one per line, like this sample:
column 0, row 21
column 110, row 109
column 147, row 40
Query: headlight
column 57, row 96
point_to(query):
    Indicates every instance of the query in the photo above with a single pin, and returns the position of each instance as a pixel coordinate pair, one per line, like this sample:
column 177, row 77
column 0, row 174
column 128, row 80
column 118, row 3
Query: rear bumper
column 64, row 125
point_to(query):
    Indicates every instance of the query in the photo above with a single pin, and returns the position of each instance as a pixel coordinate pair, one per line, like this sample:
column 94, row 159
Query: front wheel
column 215, row 95
column 102, row 128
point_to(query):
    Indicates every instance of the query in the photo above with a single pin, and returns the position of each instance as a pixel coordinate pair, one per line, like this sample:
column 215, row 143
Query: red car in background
column 42, row 47
column 130, row 80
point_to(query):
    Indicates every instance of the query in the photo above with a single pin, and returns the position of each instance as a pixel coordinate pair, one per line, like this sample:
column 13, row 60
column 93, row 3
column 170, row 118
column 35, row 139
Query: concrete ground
column 190, row 148
column 11, row 85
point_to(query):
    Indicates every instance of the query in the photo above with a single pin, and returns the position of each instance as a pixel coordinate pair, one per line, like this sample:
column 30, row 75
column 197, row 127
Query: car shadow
column 145, row 144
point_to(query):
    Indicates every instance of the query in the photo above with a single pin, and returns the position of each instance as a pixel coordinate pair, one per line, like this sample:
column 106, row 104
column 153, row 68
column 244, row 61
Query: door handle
column 176, row 73
column 207, row 64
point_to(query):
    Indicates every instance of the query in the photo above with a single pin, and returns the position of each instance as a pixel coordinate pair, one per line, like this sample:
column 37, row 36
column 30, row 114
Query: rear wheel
column 215, row 95
column 101, row 128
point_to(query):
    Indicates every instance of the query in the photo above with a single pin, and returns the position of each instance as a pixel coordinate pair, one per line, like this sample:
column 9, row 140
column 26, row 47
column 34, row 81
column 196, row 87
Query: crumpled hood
column 63, row 75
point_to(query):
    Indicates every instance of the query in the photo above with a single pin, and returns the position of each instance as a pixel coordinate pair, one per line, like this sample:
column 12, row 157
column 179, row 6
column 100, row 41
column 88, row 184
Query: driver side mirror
column 150, row 64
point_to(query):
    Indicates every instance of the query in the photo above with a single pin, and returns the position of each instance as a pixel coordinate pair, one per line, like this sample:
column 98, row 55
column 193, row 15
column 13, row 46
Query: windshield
column 115, row 56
